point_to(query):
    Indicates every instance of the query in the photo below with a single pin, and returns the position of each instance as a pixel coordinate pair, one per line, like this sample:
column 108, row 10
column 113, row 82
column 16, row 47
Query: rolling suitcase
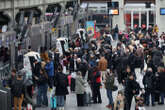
column 53, row 103
column 5, row 99
column 87, row 99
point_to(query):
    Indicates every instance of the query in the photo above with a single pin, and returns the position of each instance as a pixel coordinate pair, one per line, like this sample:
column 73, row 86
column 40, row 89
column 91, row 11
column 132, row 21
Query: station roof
column 126, row 1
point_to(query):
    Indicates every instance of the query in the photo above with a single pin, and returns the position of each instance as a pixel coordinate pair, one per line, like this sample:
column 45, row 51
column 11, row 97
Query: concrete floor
column 72, row 105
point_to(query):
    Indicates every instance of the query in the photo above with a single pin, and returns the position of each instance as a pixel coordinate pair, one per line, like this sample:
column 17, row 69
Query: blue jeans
column 162, row 97
column 60, row 101
column 110, row 98
column 42, row 95
column 148, row 93
column 116, row 36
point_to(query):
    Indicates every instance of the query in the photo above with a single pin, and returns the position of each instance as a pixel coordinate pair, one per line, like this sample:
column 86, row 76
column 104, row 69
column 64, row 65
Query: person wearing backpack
column 149, row 81
column 18, row 91
column 109, row 84
column 61, row 83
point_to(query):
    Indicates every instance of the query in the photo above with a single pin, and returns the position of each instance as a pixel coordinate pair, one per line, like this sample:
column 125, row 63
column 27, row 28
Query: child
column 119, row 102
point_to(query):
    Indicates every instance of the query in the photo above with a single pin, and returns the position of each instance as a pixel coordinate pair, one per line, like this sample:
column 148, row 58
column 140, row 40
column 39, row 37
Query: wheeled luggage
column 5, row 99
column 87, row 99
column 53, row 103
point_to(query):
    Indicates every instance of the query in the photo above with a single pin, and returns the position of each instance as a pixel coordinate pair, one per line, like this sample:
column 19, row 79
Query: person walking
column 116, row 31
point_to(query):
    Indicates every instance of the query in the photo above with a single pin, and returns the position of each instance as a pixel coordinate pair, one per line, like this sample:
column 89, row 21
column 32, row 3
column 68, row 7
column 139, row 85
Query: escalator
column 53, row 14
column 28, row 28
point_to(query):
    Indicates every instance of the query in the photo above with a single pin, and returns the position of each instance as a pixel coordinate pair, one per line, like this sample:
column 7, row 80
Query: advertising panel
column 90, row 27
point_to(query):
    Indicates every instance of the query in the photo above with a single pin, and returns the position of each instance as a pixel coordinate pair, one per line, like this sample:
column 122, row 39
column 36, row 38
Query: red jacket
column 97, row 77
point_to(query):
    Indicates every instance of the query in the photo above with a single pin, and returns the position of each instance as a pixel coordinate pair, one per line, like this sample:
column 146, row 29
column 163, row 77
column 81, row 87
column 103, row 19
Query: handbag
column 53, row 103
column 114, row 88
column 29, row 107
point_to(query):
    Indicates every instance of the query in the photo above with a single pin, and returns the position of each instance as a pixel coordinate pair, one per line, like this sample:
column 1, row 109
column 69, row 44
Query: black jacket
column 61, row 83
column 42, row 79
column 161, row 82
column 149, row 81
column 130, row 86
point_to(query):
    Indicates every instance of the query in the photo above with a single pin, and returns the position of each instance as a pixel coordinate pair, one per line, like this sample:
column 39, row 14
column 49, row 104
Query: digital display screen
column 162, row 11
column 114, row 12
column 113, row 4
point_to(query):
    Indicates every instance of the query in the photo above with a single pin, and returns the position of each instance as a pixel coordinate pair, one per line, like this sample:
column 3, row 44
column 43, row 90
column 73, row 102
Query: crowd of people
column 99, row 63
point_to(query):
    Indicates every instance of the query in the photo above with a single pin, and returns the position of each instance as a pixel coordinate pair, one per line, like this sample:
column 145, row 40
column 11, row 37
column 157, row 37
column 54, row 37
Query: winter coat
column 102, row 65
column 49, row 67
column 96, row 78
column 18, row 87
column 130, row 86
column 149, row 81
column 80, row 85
column 61, row 83
column 109, row 83
column 161, row 82
column 37, row 68
column 42, row 79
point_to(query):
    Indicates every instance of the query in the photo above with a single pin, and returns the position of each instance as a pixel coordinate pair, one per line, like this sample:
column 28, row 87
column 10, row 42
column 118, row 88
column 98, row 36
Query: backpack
column 149, row 83
column 18, row 88
column 63, row 80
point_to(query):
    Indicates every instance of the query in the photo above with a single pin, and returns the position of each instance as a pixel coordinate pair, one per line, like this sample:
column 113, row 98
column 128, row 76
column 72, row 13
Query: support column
column 131, row 19
column 160, row 18
column 119, row 19
column 140, row 17
column 147, row 19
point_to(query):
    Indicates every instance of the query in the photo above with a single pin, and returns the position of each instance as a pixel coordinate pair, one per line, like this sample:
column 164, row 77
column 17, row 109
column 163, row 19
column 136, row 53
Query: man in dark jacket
column 131, row 88
column 36, row 70
column 149, row 81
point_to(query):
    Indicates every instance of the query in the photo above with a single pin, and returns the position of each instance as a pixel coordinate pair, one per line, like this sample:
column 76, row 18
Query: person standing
column 18, row 91
column 149, row 81
column 130, row 91
column 96, row 83
column 161, row 82
column 109, row 84
column 80, row 89
column 42, row 88
column 102, row 66
column 49, row 67
column 61, row 83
